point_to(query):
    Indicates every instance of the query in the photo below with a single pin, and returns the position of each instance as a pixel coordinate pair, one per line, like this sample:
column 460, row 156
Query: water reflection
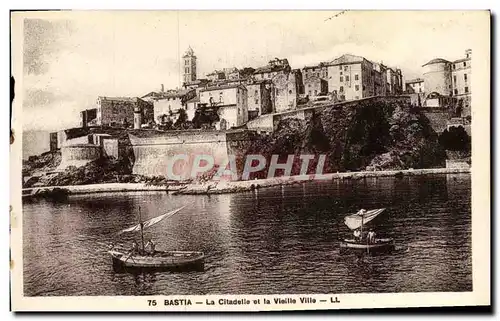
column 282, row 239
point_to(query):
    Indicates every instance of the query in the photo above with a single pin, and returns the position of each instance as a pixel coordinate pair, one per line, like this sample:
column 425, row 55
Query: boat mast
column 140, row 225
column 362, row 217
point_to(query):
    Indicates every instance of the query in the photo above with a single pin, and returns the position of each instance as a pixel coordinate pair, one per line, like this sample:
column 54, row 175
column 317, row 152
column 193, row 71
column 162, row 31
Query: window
column 326, row 73
column 186, row 63
column 356, row 77
column 290, row 92
column 341, row 78
column 256, row 101
column 465, row 77
column 341, row 89
column 341, row 73
column 466, row 90
column 315, row 92
column 309, row 85
column 465, row 64
column 454, row 66
column 357, row 87
column 420, row 90
column 340, row 67
column 345, row 68
column 309, row 93
column 346, row 78
column 364, row 88
column 456, row 91
column 256, row 93
column 187, row 70
column 455, row 79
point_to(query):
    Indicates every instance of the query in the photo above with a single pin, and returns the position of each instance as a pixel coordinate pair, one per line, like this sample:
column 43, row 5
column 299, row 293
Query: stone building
column 231, row 104
column 315, row 86
column 189, row 66
column 119, row 111
column 320, row 71
column 216, row 75
column 437, row 77
column 287, row 87
column 274, row 68
column 394, row 81
column 88, row 117
column 450, row 79
column 415, row 86
column 260, row 97
column 354, row 77
column 351, row 77
column 168, row 103
column 461, row 82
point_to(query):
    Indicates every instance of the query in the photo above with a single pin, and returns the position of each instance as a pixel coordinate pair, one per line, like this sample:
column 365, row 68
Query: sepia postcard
column 249, row 160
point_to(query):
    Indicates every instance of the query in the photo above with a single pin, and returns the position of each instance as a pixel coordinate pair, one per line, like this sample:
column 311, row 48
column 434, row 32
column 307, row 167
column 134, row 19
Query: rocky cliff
column 370, row 135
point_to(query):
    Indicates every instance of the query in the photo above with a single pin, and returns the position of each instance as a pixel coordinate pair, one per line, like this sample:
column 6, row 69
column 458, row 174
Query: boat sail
column 356, row 221
column 123, row 260
column 151, row 222
column 370, row 245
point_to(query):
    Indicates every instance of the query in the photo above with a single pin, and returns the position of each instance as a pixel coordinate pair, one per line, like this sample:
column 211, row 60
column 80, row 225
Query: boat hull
column 379, row 246
column 160, row 261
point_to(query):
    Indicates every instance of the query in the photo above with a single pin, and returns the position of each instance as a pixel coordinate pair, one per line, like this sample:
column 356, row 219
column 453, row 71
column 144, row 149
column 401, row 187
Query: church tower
column 189, row 66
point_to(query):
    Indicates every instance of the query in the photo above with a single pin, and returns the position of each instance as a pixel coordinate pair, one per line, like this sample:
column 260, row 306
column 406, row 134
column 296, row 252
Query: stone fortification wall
column 177, row 149
column 78, row 155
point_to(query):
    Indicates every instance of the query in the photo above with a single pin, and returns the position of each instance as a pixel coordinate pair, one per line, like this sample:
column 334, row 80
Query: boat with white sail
column 365, row 241
column 140, row 258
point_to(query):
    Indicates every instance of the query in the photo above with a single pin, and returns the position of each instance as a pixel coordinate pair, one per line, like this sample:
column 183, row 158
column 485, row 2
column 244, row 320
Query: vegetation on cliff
column 372, row 135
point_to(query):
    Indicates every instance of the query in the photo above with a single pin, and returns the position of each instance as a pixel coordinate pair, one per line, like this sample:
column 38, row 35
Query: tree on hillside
column 455, row 138
column 247, row 72
column 182, row 118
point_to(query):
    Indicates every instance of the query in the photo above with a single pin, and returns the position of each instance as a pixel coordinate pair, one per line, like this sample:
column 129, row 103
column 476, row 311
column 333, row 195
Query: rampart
column 175, row 152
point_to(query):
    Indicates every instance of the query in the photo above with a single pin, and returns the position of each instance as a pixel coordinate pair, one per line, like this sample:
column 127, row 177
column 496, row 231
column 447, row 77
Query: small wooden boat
column 362, row 244
column 159, row 260
column 380, row 245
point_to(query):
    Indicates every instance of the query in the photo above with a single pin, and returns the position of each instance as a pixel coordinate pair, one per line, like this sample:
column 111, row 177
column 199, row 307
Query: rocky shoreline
column 223, row 187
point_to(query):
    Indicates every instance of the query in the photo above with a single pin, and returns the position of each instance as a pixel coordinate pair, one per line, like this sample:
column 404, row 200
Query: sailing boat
column 357, row 222
column 158, row 260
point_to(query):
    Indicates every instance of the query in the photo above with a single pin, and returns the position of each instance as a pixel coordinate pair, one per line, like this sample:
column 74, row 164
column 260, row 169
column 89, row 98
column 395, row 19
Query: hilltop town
column 227, row 107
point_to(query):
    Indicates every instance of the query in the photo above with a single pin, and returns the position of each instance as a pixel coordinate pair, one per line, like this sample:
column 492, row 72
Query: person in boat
column 152, row 246
column 357, row 235
column 371, row 236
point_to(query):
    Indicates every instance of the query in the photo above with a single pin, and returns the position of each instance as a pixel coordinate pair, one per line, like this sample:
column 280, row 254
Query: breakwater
column 219, row 187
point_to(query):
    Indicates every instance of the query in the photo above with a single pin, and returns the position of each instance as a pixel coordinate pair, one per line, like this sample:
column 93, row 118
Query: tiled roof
column 346, row 59
column 169, row 94
column 412, row 81
column 436, row 61
column 212, row 88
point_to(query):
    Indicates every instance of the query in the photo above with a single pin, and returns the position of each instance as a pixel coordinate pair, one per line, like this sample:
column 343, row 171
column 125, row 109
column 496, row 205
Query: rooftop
column 224, row 86
column 436, row 61
column 179, row 93
column 321, row 64
column 347, row 59
column 128, row 99
column 416, row 80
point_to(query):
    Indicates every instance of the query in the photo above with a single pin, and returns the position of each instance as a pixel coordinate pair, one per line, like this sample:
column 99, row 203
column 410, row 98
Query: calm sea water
column 276, row 240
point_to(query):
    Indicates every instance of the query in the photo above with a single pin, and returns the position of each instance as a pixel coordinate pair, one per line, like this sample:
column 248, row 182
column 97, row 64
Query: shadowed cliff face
column 372, row 135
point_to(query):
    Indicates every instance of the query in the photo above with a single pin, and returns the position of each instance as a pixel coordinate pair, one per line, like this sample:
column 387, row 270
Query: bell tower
column 189, row 66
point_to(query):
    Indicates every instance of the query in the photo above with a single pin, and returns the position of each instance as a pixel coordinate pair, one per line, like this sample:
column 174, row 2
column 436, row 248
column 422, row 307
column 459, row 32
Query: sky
column 71, row 58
